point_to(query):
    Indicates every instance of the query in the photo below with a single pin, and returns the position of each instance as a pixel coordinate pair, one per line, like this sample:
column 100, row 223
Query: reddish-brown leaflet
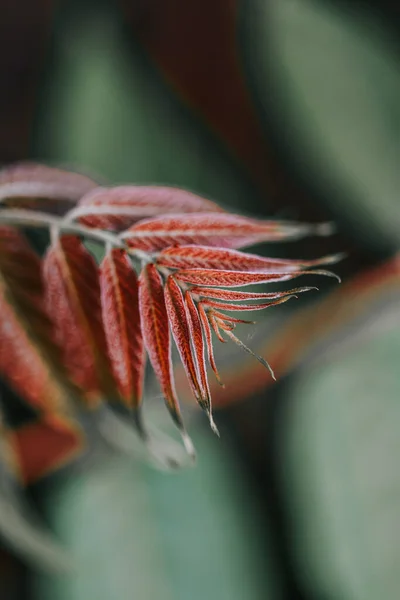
column 117, row 208
column 204, row 257
column 30, row 360
column 157, row 339
column 121, row 318
column 165, row 273
column 38, row 186
column 73, row 301
column 213, row 229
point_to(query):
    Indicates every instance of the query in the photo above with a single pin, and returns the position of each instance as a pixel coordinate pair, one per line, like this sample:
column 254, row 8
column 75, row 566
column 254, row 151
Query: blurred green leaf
column 340, row 470
column 329, row 77
column 136, row 532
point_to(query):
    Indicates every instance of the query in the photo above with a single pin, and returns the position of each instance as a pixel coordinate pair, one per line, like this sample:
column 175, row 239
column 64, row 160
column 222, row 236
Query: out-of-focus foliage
column 337, row 100
column 324, row 79
column 135, row 532
column 123, row 124
column 71, row 328
column 340, row 472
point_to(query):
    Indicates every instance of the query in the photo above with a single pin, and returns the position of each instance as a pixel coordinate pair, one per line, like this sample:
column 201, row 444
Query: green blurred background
column 301, row 496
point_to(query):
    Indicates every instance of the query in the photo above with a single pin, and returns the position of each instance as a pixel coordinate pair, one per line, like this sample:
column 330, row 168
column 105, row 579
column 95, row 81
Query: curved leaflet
column 208, row 338
column 157, row 339
column 199, row 348
column 178, row 318
column 214, row 277
column 121, row 318
column 30, row 360
column 214, row 229
column 205, row 257
column 117, row 208
column 235, row 296
column 73, row 302
column 39, row 186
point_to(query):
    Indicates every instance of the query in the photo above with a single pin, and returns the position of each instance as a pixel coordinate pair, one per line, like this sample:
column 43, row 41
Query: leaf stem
column 30, row 218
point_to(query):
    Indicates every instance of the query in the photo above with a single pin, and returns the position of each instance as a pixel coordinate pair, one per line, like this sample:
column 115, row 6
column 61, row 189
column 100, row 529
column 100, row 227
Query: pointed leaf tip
column 331, row 259
column 199, row 345
column 222, row 278
column 212, row 229
column 157, row 337
column 213, row 426
column 208, row 342
column 236, row 296
column 189, row 446
column 325, row 229
column 208, row 257
column 325, row 273
column 249, row 351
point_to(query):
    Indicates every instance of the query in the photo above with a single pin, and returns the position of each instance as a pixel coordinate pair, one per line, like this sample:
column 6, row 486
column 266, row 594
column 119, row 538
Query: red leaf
column 121, row 318
column 221, row 317
column 249, row 351
column 199, row 348
column 38, row 186
column 119, row 207
column 44, row 446
column 223, row 306
column 206, row 257
column 29, row 359
column 214, row 229
column 20, row 364
column 235, row 296
column 208, row 338
column 20, row 268
column 73, row 301
column 178, row 318
column 217, row 278
column 157, row 339
column 228, row 324
column 213, row 322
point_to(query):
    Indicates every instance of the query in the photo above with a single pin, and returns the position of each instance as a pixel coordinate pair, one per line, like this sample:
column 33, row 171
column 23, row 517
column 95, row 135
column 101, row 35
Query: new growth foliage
column 170, row 273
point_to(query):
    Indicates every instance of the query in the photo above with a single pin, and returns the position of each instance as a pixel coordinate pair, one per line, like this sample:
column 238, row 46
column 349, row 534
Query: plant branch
column 30, row 218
